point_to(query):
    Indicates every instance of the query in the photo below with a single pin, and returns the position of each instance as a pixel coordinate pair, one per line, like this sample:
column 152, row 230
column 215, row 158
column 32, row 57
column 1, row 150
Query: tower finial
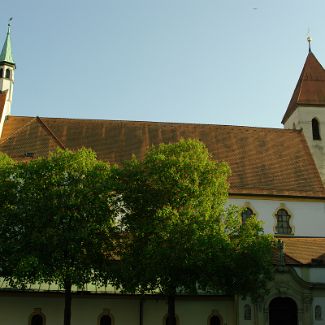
column 9, row 24
column 309, row 39
column 6, row 53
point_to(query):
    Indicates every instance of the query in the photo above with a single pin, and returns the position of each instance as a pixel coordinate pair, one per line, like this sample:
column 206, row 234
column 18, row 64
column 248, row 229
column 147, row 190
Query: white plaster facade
column 16, row 309
column 6, row 84
column 301, row 119
column 307, row 216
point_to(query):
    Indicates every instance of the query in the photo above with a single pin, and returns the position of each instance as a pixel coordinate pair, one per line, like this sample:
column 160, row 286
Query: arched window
column 174, row 321
column 318, row 312
column 283, row 222
column 214, row 320
column 37, row 319
column 315, row 127
column 247, row 312
column 1, row 73
column 8, row 73
column 246, row 213
column 105, row 320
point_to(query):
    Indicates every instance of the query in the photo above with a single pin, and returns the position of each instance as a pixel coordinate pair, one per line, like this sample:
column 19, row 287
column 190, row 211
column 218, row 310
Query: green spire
column 6, row 53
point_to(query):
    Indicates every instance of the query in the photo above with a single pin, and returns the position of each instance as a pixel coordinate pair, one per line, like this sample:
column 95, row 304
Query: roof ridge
column 164, row 123
column 48, row 130
column 301, row 237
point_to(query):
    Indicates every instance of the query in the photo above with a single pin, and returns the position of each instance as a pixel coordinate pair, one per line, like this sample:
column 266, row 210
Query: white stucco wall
column 6, row 84
column 311, row 274
column 317, row 274
column 302, row 118
column 307, row 217
column 125, row 311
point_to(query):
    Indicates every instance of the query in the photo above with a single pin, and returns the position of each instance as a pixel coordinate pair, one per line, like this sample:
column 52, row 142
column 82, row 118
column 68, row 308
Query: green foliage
column 174, row 195
column 8, row 194
column 244, row 265
column 180, row 232
column 59, row 222
column 61, row 219
column 5, row 160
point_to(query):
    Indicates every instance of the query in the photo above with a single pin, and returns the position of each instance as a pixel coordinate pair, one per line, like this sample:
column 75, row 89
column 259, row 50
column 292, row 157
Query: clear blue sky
column 202, row 61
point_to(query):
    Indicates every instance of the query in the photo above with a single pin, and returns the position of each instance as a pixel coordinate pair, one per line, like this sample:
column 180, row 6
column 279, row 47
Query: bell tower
column 306, row 109
column 7, row 74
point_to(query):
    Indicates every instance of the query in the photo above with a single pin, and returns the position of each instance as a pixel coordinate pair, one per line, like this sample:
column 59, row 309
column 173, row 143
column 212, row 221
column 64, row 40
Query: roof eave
column 11, row 64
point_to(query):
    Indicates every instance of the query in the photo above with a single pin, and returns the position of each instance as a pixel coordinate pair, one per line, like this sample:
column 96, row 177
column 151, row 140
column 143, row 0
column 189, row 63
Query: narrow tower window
column 315, row 127
column 8, row 73
column 1, row 73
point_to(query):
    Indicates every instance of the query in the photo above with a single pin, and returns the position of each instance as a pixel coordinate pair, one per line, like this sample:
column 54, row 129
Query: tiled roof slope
column 310, row 89
column 33, row 137
column 263, row 161
column 276, row 258
column 304, row 250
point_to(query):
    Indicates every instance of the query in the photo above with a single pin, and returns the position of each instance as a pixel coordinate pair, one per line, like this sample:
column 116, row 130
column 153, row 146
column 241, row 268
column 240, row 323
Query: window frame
column 37, row 312
column 289, row 222
column 8, row 73
column 315, row 129
column 247, row 312
column 244, row 218
column 215, row 313
column 318, row 307
column 248, row 205
column 106, row 312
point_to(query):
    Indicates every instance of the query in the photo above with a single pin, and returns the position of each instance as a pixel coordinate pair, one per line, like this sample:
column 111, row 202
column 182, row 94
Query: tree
column 62, row 219
column 179, row 231
column 8, row 196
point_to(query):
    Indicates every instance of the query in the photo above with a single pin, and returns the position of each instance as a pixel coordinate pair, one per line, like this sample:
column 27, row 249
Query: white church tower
column 306, row 110
column 7, row 71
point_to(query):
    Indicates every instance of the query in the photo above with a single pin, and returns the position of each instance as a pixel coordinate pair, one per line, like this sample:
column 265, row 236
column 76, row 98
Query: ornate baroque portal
column 283, row 311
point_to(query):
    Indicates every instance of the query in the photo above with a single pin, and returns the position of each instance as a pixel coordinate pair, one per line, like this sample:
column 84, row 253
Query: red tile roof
column 263, row 161
column 304, row 250
column 310, row 89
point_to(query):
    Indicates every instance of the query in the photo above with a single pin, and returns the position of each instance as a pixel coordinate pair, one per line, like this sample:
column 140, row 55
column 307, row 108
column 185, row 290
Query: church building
column 277, row 174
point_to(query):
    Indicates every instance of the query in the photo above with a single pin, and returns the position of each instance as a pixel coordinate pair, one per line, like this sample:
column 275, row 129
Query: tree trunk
column 67, row 302
column 171, row 319
column 141, row 311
